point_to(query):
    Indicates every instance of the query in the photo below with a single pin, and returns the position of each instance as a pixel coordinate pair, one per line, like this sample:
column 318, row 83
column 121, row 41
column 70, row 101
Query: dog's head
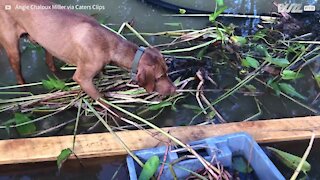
column 152, row 73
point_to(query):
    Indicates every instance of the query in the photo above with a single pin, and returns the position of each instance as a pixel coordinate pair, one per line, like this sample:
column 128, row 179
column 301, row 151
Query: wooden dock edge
column 104, row 144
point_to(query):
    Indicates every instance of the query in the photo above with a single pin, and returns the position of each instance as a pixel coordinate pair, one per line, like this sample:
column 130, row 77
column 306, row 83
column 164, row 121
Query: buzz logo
column 290, row 8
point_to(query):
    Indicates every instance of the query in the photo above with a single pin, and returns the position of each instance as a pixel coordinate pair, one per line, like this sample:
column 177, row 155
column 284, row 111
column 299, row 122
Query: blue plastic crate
column 221, row 148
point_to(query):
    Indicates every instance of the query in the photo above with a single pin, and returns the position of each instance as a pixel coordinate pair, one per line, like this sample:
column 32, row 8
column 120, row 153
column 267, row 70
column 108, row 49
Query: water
column 102, row 168
column 149, row 19
column 298, row 148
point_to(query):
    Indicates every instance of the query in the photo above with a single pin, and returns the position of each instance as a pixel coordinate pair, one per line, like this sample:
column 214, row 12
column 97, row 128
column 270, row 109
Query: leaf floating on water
column 290, row 75
column 290, row 90
column 177, row 81
column 182, row 11
column 250, row 87
column 211, row 115
column 250, row 62
column 220, row 2
column 238, row 40
column 150, row 168
column 63, row 156
column 281, row 62
column 54, row 84
column 275, row 87
column 317, row 77
column 259, row 35
column 27, row 128
column 262, row 50
column 290, row 160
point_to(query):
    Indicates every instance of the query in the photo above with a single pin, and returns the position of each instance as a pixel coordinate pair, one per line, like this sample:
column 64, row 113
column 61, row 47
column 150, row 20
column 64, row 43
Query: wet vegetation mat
column 215, row 69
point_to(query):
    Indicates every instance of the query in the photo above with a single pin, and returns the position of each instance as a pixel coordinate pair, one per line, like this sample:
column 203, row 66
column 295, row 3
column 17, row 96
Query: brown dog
column 79, row 40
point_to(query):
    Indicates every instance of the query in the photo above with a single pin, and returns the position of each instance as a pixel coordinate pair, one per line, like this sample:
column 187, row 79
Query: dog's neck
column 124, row 54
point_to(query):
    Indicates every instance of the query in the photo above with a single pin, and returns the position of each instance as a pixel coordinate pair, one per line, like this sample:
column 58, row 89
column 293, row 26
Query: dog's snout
column 173, row 89
column 166, row 88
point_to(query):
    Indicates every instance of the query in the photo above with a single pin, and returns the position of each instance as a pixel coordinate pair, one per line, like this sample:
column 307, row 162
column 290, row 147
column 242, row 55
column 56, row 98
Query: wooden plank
column 104, row 144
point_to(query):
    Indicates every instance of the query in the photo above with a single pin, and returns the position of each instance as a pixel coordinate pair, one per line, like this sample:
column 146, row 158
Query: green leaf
column 195, row 109
column 243, row 71
column 24, row 129
column 290, row 75
column 317, row 77
column 150, row 168
column 288, row 89
column 281, row 62
column 182, row 11
column 251, row 88
column 214, row 15
column 241, row 165
column 211, row 115
column 177, row 81
column 250, row 62
column 262, row 50
column 238, row 40
column 260, row 34
column 54, row 84
column 63, row 156
column 296, row 48
column 275, row 87
column 290, row 160
column 46, row 84
column 220, row 2
column 160, row 105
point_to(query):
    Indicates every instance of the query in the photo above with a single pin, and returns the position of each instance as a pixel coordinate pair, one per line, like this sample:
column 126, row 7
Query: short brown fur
column 79, row 40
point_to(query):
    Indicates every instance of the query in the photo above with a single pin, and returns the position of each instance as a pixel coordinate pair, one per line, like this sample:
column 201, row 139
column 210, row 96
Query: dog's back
column 76, row 39
column 49, row 27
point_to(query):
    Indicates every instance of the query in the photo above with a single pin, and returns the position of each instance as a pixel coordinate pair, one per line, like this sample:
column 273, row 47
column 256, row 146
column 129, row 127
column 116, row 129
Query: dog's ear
column 146, row 78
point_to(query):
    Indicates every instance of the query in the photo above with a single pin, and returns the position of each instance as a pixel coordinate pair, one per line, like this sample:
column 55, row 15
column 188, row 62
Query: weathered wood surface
column 104, row 144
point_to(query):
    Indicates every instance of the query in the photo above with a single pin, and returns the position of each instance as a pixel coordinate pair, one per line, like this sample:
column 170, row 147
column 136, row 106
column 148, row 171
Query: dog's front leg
column 84, row 76
column 12, row 49
column 50, row 62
